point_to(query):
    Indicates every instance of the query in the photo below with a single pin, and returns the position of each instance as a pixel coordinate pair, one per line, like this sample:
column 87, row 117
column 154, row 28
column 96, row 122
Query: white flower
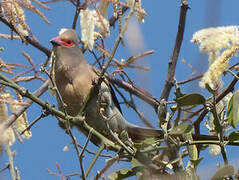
column 221, row 44
column 102, row 24
column 89, row 19
column 214, row 150
column 216, row 69
column 65, row 148
column 21, row 123
column 139, row 11
column 7, row 136
column 87, row 22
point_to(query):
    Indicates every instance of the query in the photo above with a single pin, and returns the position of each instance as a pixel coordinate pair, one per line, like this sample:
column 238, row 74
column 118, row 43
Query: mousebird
column 74, row 79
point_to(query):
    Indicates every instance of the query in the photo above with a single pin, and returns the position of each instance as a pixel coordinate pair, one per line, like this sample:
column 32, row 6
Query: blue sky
column 44, row 149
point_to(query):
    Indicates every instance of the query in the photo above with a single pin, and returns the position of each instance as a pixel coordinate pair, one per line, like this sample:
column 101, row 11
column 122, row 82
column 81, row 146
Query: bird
column 74, row 79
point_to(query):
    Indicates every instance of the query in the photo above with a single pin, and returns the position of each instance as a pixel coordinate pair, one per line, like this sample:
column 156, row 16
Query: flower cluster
column 139, row 11
column 7, row 136
column 89, row 19
column 13, row 11
column 221, row 44
column 97, row 18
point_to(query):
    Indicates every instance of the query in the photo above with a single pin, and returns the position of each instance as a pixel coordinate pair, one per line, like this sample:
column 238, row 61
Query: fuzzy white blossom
column 7, row 136
column 21, row 123
column 102, row 24
column 65, row 149
column 87, row 23
column 215, row 39
column 221, row 44
column 139, row 11
column 214, row 150
column 89, row 19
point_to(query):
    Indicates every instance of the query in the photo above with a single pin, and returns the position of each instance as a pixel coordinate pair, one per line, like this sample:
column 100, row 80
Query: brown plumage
column 74, row 77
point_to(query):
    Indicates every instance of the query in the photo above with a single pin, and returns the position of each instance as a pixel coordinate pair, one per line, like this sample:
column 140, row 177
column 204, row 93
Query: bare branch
column 174, row 58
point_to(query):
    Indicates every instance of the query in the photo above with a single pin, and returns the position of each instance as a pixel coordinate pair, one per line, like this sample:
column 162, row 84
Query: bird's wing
column 113, row 95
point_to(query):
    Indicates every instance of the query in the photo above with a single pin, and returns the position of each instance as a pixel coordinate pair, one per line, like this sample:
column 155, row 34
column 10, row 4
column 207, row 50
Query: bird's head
column 67, row 38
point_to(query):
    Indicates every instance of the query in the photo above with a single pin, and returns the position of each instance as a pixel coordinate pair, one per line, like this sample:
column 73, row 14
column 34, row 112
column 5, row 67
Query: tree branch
column 34, row 43
column 77, row 121
column 22, row 109
column 174, row 58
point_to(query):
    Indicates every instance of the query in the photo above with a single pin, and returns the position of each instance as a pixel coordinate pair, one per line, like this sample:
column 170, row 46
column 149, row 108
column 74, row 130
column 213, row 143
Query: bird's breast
column 74, row 88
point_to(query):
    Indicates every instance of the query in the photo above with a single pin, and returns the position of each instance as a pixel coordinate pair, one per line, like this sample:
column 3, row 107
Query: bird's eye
column 68, row 43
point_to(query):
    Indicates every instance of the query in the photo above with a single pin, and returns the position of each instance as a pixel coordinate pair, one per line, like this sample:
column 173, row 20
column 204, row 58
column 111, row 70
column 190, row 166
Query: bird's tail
column 138, row 134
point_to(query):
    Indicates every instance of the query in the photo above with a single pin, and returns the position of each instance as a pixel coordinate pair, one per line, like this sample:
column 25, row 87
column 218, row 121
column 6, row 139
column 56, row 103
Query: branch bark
column 174, row 58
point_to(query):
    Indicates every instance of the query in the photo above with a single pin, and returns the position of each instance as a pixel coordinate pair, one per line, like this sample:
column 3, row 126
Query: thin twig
column 133, row 106
column 28, row 39
column 77, row 150
column 16, row 133
column 188, row 143
column 60, row 171
column 109, row 163
column 174, row 58
column 34, row 122
column 133, row 89
column 5, row 168
column 93, row 153
column 134, row 58
column 81, row 155
column 189, row 80
column 117, row 139
column 101, row 148
column 58, row 95
column 113, row 19
column 77, row 12
column 118, row 40
column 22, row 109
column 233, row 74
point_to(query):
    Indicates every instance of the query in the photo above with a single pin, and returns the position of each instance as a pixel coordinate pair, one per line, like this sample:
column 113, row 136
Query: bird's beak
column 56, row 41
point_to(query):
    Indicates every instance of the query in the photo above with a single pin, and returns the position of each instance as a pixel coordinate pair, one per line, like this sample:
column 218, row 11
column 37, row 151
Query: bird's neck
column 67, row 60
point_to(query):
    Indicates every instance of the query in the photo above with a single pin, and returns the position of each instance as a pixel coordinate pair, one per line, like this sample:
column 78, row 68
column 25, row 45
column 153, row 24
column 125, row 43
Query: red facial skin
column 63, row 42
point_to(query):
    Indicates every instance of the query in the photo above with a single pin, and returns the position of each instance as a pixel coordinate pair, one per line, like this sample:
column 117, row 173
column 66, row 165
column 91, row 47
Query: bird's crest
column 62, row 31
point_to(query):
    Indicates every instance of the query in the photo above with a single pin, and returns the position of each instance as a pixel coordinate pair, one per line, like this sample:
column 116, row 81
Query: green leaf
column 161, row 112
column 145, row 143
column 178, row 92
column 122, row 174
column 223, row 172
column 181, row 129
column 233, row 109
column 196, row 162
column 149, row 141
column 233, row 136
column 192, row 149
column 216, row 120
column 190, row 99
